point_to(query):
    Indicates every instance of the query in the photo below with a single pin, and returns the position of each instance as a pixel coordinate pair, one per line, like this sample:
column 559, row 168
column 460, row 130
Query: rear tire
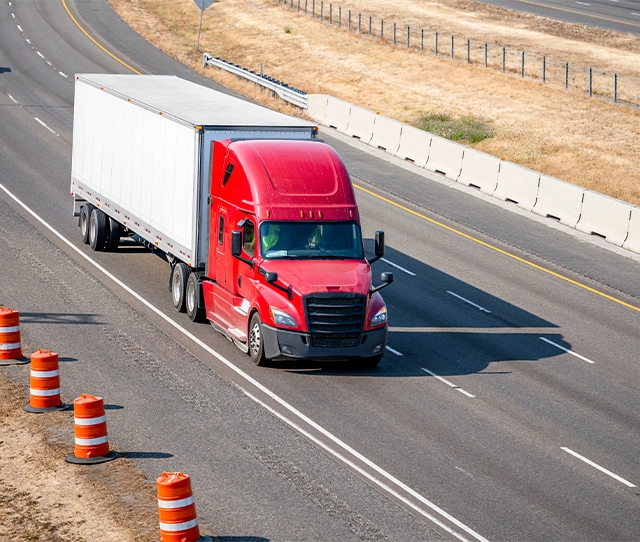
column 113, row 235
column 256, row 341
column 192, row 297
column 85, row 215
column 179, row 279
column 97, row 230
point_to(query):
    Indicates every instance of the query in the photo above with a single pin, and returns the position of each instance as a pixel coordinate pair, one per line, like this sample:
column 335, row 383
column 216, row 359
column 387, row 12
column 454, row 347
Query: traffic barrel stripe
column 45, row 393
column 175, row 527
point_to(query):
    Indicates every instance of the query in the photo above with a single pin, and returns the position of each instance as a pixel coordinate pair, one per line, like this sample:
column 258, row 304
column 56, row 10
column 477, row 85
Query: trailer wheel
column 97, row 229
column 256, row 343
column 113, row 235
column 179, row 279
column 85, row 214
column 193, row 297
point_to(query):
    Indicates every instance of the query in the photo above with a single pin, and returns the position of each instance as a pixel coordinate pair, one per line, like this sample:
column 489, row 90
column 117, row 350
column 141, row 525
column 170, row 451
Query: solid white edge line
column 596, row 466
column 566, row 350
column 43, row 124
column 398, row 267
column 480, row 308
column 259, row 386
column 451, row 384
column 392, row 350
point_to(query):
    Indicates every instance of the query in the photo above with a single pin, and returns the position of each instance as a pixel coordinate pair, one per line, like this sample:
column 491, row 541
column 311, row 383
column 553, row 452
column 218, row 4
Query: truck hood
column 307, row 276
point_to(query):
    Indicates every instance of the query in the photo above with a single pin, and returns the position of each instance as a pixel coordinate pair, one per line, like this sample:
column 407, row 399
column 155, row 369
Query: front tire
column 256, row 341
column 97, row 230
column 192, row 298
column 179, row 279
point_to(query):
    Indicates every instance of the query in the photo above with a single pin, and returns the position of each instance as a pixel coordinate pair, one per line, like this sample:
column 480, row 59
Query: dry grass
column 585, row 141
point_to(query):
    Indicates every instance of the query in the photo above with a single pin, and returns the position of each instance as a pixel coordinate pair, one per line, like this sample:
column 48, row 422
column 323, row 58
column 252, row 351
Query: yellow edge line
column 504, row 252
column 94, row 41
column 578, row 13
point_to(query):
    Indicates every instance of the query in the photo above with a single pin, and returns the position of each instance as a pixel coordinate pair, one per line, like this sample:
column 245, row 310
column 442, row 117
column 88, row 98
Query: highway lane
column 617, row 15
column 412, row 423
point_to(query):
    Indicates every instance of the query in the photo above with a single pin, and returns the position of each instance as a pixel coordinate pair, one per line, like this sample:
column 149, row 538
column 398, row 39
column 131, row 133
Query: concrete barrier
column 633, row 239
column 559, row 200
column 517, row 184
column 361, row 123
column 317, row 106
column 445, row 157
column 386, row 134
column 414, row 145
column 605, row 216
column 480, row 170
column 338, row 112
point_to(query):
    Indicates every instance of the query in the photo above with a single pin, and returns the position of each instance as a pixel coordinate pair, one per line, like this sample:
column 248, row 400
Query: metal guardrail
column 288, row 93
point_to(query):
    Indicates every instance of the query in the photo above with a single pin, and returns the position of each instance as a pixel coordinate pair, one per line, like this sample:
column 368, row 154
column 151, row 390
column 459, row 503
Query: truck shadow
column 445, row 325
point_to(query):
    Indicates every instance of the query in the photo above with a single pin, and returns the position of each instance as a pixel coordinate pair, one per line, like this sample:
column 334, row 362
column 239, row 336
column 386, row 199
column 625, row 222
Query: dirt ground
column 585, row 141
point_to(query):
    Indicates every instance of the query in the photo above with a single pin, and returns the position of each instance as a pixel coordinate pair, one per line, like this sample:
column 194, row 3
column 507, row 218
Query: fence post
column 305, row 6
column 522, row 72
column 313, row 9
column 322, row 10
column 330, row 13
column 340, row 16
column 452, row 38
column 359, row 22
column 468, row 51
column 436, row 43
column 566, row 75
column 486, row 54
column 370, row 19
column 590, row 81
column 615, row 87
column 422, row 39
column 349, row 20
column 544, row 69
column 382, row 29
column 394, row 33
column 408, row 36
column 504, row 59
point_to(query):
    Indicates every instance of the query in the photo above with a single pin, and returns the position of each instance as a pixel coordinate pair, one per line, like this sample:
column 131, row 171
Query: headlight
column 281, row 318
column 380, row 317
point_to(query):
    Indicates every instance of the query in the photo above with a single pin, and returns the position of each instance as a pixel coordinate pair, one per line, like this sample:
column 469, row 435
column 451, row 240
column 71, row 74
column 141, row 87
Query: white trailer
column 142, row 157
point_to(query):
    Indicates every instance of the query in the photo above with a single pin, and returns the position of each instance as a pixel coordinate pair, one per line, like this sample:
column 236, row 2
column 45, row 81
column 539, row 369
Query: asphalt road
column 505, row 409
column 617, row 15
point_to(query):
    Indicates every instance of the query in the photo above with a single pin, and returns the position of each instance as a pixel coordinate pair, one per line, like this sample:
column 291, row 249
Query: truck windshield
column 311, row 240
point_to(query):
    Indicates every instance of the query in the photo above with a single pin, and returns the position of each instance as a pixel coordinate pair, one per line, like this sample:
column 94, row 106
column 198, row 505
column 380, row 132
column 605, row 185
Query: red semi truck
column 257, row 217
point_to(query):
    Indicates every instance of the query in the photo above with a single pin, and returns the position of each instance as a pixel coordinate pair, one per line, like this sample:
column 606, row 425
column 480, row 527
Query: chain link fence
column 588, row 80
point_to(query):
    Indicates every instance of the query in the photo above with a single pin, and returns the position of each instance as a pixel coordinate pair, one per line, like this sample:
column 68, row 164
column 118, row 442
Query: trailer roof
column 188, row 102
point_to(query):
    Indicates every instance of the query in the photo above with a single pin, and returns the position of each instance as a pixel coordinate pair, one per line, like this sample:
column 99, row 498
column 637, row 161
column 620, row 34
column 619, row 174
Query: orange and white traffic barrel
column 90, row 424
column 44, row 383
column 177, row 509
column 10, row 344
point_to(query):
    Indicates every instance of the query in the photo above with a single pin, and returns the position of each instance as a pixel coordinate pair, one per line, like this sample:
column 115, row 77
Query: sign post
column 202, row 4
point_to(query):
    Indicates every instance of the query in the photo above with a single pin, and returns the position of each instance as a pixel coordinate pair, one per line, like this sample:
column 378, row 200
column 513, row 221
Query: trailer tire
column 85, row 215
column 179, row 279
column 97, row 230
column 113, row 235
column 256, row 342
column 192, row 298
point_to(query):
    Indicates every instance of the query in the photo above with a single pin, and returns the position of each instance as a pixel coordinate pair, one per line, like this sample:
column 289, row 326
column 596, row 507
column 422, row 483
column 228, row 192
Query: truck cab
column 286, row 275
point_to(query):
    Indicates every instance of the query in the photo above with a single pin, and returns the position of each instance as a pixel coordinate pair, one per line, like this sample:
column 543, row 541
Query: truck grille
column 335, row 319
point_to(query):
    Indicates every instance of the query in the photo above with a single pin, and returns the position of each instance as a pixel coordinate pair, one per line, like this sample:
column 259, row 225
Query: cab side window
column 221, row 230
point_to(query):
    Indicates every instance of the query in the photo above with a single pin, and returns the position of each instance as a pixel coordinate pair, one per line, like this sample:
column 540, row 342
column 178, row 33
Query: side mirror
column 379, row 247
column 236, row 247
column 271, row 276
column 386, row 278
column 236, row 243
